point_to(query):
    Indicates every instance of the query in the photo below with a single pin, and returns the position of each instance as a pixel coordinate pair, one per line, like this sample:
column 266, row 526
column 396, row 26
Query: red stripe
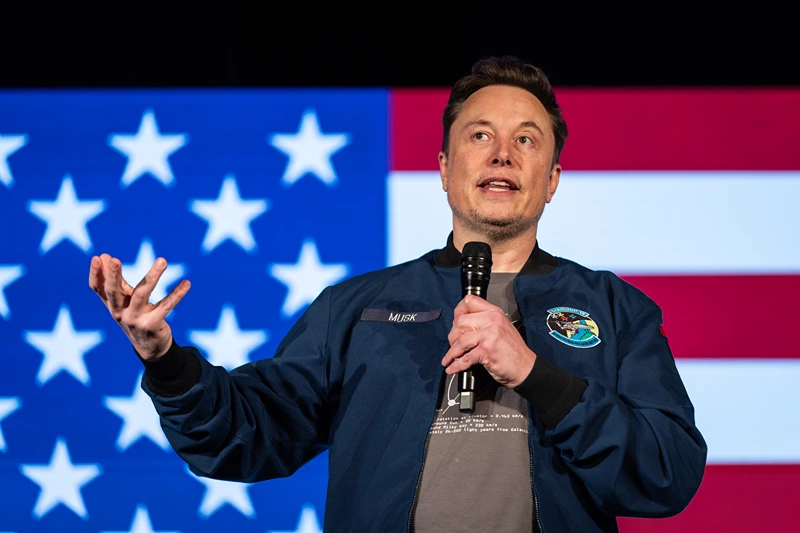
column 727, row 316
column 734, row 498
column 634, row 129
column 415, row 128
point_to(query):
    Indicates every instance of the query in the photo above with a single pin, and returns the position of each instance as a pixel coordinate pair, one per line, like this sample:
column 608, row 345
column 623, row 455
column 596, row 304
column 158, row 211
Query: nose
column 502, row 154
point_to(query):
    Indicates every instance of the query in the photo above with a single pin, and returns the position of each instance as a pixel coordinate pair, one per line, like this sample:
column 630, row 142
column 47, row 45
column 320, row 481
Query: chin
column 499, row 229
column 500, row 219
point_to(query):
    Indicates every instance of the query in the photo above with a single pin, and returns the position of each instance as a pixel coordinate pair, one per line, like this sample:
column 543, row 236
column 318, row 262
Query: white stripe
column 747, row 410
column 633, row 222
column 418, row 215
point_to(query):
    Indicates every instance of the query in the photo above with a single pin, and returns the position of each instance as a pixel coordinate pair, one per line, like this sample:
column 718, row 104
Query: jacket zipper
column 535, row 519
column 424, row 457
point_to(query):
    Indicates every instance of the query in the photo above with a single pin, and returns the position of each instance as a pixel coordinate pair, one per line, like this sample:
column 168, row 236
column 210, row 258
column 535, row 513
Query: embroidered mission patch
column 573, row 327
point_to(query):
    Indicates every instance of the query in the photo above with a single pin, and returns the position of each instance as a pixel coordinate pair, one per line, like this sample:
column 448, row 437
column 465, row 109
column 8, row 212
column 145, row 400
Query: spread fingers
column 141, row 294
column 168, row 303
column 116, row 289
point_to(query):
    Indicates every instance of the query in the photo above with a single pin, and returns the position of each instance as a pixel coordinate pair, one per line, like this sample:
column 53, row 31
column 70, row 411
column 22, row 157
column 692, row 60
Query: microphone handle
column 466, row 380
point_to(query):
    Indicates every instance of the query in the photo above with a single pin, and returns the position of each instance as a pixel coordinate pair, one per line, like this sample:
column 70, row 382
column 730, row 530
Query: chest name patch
column 399, row 317
column 573, row 327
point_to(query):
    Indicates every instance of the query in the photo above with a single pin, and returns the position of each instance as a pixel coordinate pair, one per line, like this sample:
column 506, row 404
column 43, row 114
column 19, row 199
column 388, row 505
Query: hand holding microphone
column 476, row 271
column 482, row 333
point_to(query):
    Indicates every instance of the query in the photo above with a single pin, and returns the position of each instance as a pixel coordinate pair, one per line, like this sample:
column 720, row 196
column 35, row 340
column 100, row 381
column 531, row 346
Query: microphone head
column 476, row 268
column 477, row 249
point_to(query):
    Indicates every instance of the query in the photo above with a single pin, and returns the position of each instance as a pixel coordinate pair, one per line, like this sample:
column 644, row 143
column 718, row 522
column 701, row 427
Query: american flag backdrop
column 263, row 197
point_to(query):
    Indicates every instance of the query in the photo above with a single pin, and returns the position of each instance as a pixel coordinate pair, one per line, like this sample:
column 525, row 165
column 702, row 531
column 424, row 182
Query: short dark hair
column 506, row 70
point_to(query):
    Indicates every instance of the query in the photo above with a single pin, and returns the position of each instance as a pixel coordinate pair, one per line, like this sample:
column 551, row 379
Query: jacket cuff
column 551, row 392
column 172, row 374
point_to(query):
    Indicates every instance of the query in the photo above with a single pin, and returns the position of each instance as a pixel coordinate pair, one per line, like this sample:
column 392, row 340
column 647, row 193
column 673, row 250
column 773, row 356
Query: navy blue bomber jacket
column 611, row 428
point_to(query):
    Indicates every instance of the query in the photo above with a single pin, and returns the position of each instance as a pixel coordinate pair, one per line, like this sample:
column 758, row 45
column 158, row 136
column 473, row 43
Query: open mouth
column 498, row 185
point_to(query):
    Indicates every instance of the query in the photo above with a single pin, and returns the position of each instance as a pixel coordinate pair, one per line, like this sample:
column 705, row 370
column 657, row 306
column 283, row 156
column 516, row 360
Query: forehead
column 504, row 103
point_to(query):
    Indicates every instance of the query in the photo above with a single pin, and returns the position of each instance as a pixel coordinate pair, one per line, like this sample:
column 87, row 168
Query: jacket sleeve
column 636, row 448
column 262, row 420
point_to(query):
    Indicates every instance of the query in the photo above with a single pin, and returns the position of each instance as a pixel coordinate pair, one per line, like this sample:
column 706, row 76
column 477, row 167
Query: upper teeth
column 503, row 183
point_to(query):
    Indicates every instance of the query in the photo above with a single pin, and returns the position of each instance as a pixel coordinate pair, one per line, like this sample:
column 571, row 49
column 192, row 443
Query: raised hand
column 143, row 323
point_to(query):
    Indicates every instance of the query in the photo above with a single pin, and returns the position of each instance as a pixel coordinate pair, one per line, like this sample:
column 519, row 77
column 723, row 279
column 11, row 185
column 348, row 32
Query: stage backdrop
column 264, row 197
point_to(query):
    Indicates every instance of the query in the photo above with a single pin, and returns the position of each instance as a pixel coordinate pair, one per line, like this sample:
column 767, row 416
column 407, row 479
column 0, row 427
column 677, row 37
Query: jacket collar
column 538, row 263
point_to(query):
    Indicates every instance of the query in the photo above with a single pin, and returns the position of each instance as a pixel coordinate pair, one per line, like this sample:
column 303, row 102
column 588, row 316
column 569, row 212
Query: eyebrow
column 484, row 122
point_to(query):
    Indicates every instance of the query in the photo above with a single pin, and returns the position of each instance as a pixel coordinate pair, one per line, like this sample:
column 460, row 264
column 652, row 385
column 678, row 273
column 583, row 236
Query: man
column 581, row 415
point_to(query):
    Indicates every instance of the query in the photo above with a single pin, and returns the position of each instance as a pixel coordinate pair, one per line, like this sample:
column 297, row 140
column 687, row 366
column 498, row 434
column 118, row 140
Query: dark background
column 296, row 43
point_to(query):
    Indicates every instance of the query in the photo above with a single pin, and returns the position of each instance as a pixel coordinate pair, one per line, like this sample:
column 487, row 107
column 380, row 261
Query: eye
column 525, row 140
column 479, row 136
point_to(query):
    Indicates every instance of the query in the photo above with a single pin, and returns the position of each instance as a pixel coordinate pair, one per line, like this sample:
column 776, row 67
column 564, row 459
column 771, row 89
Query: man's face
column 498, row 173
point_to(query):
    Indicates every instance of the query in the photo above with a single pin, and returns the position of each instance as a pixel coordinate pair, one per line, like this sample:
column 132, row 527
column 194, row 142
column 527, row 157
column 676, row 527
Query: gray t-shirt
column 477, row 474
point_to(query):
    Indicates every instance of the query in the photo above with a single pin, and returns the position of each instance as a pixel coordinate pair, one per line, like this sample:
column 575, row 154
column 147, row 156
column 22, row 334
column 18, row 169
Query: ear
column 552, row 181
column 443, row 170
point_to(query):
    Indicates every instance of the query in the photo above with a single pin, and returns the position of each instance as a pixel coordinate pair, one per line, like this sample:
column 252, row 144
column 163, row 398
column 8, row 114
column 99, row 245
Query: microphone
column 476, row 269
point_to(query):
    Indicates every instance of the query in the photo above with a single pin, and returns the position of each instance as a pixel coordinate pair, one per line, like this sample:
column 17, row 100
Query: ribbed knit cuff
column 551, row 391
column 172, row 374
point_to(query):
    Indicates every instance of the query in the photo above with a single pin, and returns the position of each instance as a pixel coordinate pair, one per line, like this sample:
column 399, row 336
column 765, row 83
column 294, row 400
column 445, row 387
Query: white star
column 8, row 145
column 63, row 348
column 141, row 523
column 228, row 346
column 139, row 418
column 8, row 275
column 60, row 481
column 306, row 278
column 307, row 523
column 309, row 150
column 7, row 406
column 66, row 217
column 229, row 217
column 219, row 492
column 134, row 272
column 147, row 151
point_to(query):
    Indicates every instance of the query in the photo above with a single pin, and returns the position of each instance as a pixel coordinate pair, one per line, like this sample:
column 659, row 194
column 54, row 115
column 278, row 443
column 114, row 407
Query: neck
column 508, row 255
